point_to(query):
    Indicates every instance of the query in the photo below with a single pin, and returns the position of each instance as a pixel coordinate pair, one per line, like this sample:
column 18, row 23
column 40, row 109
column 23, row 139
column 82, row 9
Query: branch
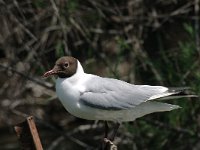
column 39, row 82
column 176, row 129
column 28, row 134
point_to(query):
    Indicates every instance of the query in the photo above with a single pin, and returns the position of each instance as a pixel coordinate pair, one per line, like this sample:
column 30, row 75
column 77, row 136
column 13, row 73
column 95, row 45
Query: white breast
column 69, row 94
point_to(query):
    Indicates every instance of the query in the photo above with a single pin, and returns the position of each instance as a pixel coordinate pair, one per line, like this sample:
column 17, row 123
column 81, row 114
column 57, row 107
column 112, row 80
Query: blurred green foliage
column 71, row 6
column 59, row 49
column 39, row 3
column 178, row 68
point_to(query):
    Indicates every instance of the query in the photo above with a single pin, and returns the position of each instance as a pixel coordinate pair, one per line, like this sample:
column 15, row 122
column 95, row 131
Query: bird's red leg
column 106, row 129
column 112, row 137
column 107, row 142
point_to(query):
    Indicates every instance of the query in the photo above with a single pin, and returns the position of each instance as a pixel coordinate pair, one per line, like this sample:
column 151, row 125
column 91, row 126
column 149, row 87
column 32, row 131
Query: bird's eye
column 66, row 64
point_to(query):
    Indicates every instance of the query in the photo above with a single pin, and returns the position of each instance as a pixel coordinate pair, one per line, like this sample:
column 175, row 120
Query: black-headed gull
column 93, row 97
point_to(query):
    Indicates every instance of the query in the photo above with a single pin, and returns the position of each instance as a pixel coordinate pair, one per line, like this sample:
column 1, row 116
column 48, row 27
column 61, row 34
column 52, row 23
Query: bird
column 92, row 97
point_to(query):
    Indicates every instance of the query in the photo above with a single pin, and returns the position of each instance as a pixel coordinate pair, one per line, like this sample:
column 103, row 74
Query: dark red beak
column 49, row 73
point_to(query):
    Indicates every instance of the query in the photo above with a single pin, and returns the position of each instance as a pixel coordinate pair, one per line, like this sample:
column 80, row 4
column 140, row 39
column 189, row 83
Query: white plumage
column 95, row 98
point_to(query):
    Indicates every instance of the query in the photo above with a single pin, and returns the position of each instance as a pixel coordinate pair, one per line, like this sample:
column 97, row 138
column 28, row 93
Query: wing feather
column 113, row 94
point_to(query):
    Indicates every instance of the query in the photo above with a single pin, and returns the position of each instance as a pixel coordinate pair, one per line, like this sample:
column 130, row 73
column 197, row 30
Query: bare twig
column 177, row 129
column 63, row 26
column 39, row 82
column 28, row 135
column 67, row 135
column 55, row 143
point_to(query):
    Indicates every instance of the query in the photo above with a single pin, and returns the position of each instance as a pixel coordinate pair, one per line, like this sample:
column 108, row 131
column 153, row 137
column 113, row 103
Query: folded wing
column 113, row 94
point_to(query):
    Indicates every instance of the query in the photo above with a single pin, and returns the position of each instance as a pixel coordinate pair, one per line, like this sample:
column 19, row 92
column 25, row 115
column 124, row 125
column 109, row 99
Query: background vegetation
column 139, row 41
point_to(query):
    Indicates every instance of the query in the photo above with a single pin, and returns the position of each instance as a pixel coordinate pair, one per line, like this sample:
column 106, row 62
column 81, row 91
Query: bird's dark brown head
column 65, row 67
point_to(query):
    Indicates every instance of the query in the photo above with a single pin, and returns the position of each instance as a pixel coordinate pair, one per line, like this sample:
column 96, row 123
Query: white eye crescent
column 66, row 65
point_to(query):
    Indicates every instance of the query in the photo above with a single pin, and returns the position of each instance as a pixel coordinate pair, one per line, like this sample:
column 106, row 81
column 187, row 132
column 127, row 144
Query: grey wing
column 107, row 93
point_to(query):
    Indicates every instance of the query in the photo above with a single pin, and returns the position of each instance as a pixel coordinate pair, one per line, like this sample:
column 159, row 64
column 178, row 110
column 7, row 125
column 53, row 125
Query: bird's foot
column 107, row 141
column 108, row 145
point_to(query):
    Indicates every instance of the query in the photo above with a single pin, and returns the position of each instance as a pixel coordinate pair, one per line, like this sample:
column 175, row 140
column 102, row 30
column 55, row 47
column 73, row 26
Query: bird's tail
column 145, row 109
column 179, row 92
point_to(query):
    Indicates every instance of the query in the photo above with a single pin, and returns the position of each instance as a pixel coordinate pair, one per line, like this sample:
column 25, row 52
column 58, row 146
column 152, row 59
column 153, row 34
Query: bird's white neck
column 77, row 76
